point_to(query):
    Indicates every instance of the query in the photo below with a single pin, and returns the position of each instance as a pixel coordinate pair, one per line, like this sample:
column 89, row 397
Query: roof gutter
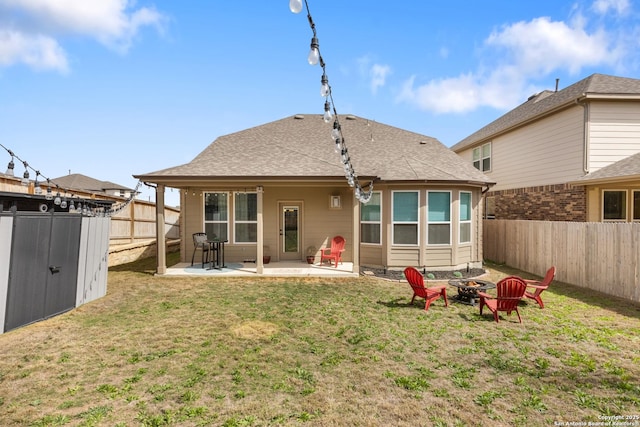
column 585, row 133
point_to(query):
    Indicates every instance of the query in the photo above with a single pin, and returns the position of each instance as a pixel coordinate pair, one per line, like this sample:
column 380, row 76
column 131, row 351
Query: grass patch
column 291, row 351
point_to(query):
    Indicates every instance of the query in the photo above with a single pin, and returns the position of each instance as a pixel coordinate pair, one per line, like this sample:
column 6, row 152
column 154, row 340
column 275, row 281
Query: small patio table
column 468, row 289
column 217, row 261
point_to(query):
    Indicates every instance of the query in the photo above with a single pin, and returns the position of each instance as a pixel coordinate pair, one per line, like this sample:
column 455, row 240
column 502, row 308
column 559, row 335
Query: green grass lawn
column 319, row 352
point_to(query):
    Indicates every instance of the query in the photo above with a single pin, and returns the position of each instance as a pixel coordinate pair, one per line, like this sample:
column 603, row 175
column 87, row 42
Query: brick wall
column 558, row 202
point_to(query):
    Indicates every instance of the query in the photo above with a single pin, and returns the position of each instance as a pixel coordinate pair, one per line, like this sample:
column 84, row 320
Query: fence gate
column 43, row 271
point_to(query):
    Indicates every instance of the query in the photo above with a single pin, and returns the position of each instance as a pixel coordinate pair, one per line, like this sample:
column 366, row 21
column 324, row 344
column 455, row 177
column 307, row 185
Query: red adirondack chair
column 334, row 253
column 540, row 286
column 510, row 291
column 415, row 279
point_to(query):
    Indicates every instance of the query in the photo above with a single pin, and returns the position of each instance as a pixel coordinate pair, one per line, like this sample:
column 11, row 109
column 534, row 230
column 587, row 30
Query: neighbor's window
column 490, row 208
column 370, row 220
column 216, row 215
column 636, row 205
column 465, row 217
column 438, row 217
column 245, row 218
column 614, row 205
column 405, row 217
column 482, row 157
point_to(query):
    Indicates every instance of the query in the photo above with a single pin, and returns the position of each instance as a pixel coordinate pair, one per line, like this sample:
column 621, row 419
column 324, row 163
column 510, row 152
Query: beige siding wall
column 549, row 151
column 614, row 132
column 595, row 197
column 318, row 222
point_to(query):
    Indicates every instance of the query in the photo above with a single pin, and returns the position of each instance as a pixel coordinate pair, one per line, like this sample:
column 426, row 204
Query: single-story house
column 279, row 189
column 564, row 155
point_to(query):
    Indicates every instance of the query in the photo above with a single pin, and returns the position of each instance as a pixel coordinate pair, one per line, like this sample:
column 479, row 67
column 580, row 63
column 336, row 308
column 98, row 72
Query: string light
column 96, row 209
column 314, row 58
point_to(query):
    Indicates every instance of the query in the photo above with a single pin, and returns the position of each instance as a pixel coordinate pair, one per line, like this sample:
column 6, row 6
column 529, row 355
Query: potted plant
column 311, row 254
column 266, row 256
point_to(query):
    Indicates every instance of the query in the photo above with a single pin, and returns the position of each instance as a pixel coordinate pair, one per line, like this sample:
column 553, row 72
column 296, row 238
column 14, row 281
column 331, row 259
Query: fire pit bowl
column 468, row 289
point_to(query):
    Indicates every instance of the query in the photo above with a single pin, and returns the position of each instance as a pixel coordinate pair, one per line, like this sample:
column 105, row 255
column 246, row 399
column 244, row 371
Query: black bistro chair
column 200, row 242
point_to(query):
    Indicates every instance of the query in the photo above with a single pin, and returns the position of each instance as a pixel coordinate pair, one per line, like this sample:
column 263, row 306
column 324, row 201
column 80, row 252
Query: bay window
column 405, row 207
column 439, row 217
column 370, row 220
column 465, row 217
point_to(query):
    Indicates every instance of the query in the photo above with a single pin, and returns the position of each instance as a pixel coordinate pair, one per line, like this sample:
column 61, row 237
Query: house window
column 216, row 215
column 482, row 157
column 370, row 220
column 614, row 205
column 465, row 217
column 405, row 217
column 636, row 205
column 245, row 218
column 438, row 217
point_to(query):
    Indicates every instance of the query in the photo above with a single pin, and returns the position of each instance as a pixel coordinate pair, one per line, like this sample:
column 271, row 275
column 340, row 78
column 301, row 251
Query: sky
column 116, row 88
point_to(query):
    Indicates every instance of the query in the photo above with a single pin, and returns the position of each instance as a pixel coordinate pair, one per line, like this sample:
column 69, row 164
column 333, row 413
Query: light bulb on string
column 295, row 6
column 57, row 200
column 49, row 196
column 10, row 167
column 324, row 88
column 327, row 112
column 335, row 133
column 72, row 206
column 63, row 203
column 338, row 146
column 36, row 186
column 314, row 53
column 25, row 175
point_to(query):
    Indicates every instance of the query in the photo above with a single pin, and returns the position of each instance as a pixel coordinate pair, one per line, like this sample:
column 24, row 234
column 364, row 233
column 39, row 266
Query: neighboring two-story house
column 568, row 155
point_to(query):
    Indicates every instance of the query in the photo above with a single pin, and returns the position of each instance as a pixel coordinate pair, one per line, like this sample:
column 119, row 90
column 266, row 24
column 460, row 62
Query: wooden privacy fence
column 137, row 221
column 601, row 256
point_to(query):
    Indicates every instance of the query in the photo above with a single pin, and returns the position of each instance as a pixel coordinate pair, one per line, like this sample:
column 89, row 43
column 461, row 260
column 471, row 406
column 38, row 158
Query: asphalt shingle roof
column 301, row 146
column 548, row 101
column 82, row 182
column 627, row 168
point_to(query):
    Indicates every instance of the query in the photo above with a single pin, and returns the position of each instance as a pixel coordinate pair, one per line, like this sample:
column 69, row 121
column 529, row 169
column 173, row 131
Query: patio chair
column 510, row 291
column 540, row 286
column 415, row 279
column 200, row 242
column 334, row 252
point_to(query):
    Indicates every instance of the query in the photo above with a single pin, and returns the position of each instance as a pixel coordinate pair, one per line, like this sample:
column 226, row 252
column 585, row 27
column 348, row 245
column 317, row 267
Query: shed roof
column 544, row 103
column 300, row 146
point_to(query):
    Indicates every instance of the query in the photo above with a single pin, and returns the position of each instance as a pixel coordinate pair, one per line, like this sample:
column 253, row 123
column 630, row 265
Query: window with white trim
column 245, row 219
column 465, row 217
column 482, row 157
column 405, row 207
column 636, row 205
column 438, row 217
column 371, row 219
column 216, row 215
column 614, row 205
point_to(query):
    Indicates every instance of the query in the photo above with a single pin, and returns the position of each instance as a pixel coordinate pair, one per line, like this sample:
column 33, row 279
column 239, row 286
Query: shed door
column 43, row 273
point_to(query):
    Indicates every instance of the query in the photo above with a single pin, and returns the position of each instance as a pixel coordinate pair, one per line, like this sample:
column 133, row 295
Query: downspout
column 585, row 136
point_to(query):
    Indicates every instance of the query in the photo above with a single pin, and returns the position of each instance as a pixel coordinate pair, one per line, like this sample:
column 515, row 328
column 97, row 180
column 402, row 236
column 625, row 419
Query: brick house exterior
column 568, row 155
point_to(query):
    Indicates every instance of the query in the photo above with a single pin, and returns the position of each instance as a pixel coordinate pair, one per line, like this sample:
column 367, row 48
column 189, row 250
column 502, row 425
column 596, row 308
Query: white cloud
column 39, row 52
column 620, row 7
column 378, row 75
column 516, row 53
column 37, row 25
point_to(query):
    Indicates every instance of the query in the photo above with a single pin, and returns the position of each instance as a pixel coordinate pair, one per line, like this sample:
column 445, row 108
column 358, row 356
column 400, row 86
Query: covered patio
column 273, row 269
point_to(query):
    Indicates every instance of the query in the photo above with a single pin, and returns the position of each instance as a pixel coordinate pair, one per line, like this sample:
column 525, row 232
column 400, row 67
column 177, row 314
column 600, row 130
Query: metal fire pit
column 468, row 289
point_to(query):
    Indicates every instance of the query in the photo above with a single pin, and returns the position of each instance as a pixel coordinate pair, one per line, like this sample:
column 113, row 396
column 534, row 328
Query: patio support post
column 356, row 235
column 161, row 244
column 260, row 231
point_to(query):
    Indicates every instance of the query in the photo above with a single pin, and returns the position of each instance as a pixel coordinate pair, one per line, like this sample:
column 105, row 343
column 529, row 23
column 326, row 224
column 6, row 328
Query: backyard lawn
column 319, row 352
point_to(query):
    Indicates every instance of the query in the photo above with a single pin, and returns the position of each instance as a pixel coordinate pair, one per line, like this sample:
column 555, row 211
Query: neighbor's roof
column 82, row 182
column 627, row 169
column 593, row 87
column 301, row 146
